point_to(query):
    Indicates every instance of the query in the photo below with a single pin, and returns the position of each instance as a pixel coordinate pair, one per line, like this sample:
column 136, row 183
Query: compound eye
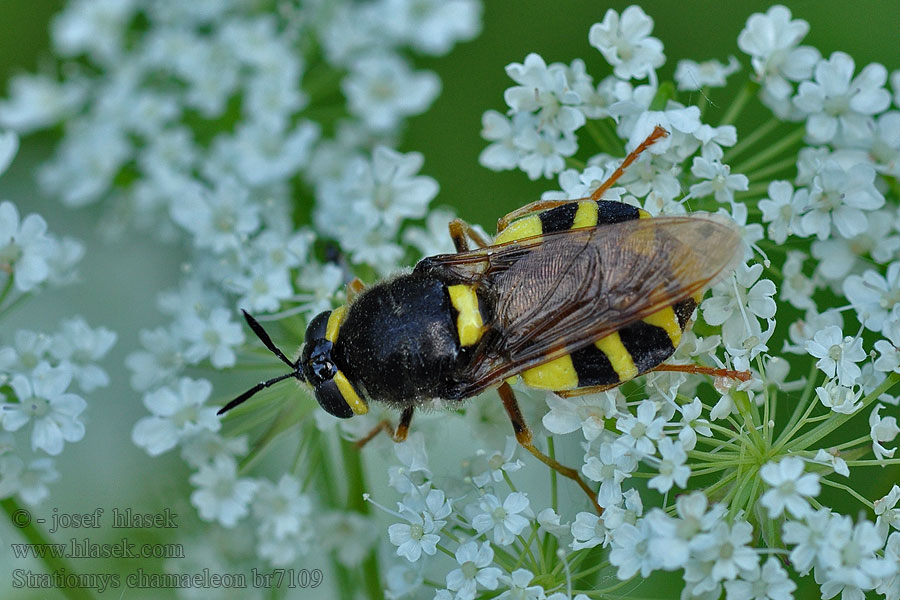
column 332, row 401
column 316, row 362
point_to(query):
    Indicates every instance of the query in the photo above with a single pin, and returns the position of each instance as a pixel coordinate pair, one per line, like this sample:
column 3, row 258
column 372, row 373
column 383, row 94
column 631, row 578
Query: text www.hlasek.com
column 84, row 548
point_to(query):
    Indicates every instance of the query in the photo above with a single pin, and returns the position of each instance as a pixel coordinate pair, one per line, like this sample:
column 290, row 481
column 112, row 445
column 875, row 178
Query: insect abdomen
column 632, row 350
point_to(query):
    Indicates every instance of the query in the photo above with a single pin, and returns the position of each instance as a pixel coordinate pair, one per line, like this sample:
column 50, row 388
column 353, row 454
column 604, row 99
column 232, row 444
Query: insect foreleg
column 398, row 435
column 523, row 436
column 715, row 372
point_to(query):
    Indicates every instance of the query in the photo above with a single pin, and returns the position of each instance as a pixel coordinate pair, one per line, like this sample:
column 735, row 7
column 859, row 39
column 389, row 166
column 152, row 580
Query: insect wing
column 556, row 293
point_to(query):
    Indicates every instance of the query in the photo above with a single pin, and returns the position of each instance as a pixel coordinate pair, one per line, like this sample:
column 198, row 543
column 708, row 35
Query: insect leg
column 533, row 207
column 658, row 132
column 715, row 372
column 460, row 230
column 397, row 435
column 354, row 288
column 523, row 436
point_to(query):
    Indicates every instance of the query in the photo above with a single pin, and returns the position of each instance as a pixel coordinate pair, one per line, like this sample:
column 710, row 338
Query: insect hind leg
column 524, row 437
column 657, row 133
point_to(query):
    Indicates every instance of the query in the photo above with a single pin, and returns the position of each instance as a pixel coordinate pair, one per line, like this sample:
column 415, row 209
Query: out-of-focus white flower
column 221, row 495
column 42, row 398
column 177, row 414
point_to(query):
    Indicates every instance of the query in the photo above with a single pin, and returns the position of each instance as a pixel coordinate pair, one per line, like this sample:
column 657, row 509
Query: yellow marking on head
column 586, row 215
column 521, row 229
column 558, row 374
column 334, row 323
column 643, row 214
column 469, row 326
column 620, row 359
column 666, row 319
column 357, row 404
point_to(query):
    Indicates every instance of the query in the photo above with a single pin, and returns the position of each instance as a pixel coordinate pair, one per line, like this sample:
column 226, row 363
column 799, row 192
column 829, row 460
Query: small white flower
column 851, row 565
column 177, row 414
column 771, row 582
column 839, row 105
column 588, row 412
column 29, row 482
column 720, row 181
column 519, row 589
column 691, row 75
column 873, row 295
column 838, row 198
column 221, row 495
column 545, row 91
column 782, row 210
column 474, row 570
column 728, row 550
column 809, row 535
column 497, row 463
column 692, row 424
column 789, row 485
column 82, row 347
column 630, row 550
column 504, row 519
column 626, row 43
column 840, row 399
column 589, row 530
column 37, row 101
column 771, row 40
column 611, row 464
column 671, row 467
column 642, row 431
column 882, row 430
column 837, row 354
column 162, row 359
column 833, row 460
column 214, row 336
column 381, row 89
column 42, row 398
column 24, row 247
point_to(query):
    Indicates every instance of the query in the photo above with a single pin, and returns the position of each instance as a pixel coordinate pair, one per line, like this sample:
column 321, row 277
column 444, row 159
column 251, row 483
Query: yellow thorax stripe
column 357, row 404
column 334, row 323
column 469, row 325
column 619, row 357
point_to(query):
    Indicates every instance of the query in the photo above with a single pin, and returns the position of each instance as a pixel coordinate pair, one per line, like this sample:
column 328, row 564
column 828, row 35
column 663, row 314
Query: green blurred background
column 119, row 280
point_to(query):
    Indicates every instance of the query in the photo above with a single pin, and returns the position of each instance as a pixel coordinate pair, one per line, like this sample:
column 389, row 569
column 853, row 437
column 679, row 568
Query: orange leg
column 700, row 370
column 398, row 435
column 461, row 232
column 658, row 132
column 533, row 207
column 523, row 436
column 541, row 205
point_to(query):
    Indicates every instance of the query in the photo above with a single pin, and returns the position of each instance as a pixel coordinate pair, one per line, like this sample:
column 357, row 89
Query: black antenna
column 265, row 339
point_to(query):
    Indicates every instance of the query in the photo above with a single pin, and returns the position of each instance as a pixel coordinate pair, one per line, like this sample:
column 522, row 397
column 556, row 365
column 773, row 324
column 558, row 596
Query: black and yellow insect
column 573, row 296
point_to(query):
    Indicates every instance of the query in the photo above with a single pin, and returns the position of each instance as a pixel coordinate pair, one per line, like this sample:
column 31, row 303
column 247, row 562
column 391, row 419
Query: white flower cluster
column 224, row 125
column 38, row 370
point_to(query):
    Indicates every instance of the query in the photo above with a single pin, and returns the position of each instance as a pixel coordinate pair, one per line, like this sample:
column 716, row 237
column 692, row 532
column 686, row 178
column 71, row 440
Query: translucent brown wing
column 555, row 293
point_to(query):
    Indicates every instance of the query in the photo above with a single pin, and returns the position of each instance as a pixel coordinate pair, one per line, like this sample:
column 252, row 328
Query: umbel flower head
column 265, row 143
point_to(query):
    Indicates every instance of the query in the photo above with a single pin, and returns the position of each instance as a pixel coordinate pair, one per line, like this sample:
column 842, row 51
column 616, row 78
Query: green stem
column 36, row 536
column 6, row 289
column 847, row 489
column 776, row 167
column 798, row 413
column 794, row 137
column 739, row 102
column 825, row 428
column 749, row 140
column 551, row 450
column 356, row 484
